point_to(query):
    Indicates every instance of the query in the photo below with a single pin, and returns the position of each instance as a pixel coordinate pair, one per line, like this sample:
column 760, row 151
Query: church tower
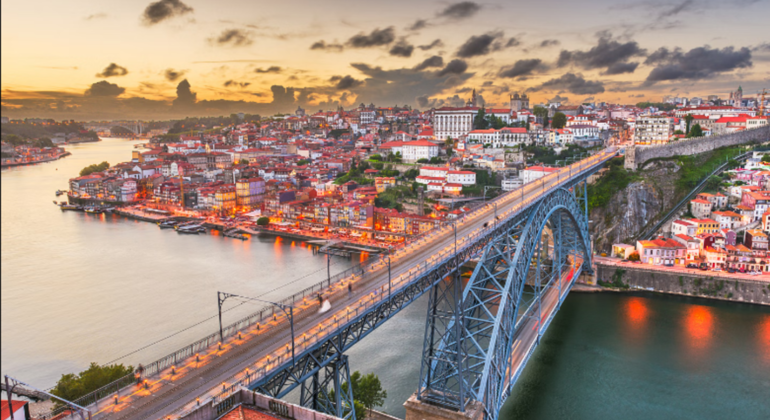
column 738, row 97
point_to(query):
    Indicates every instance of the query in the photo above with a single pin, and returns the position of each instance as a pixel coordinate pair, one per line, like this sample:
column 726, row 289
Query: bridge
column 528, row 245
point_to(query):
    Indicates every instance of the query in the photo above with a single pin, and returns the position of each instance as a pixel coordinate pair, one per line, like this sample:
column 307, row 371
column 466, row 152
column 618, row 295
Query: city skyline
column 89, row 61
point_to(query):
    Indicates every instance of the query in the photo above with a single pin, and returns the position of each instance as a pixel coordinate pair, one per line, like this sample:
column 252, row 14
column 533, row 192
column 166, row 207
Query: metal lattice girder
column 474, row 361
column 329, row 390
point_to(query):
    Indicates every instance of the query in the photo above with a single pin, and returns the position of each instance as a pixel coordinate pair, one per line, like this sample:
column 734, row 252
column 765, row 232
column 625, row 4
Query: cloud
column 185, row 97
column 322, row 45
column 434, row 44
column 378, row 37
column 512, row 42
column 461, row 10
column 346, row 82
column 675, row 9
column 173, row 75
column 521, row 68
column 454, row 67
column 573, row 83
column 765, row 46
column 607, row 54
column 417, row 25
column 271, row 69
column 698, row 63
column 426, row 102
column 402, row 49
column 478, row 45
column 96, row 16
column 559, row 98
column 233, row 37
column 113, row 70
column 104, row 88
column 549, row 43
column 434, row 61
column 620, row 68
column 164, row 9
column 233, row 83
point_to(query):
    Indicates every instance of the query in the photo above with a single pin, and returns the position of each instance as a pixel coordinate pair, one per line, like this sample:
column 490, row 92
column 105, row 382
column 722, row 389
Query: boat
column 94, row 210
column 168, row 224
column 70, row 207
column 60, row 192
column 193, row 229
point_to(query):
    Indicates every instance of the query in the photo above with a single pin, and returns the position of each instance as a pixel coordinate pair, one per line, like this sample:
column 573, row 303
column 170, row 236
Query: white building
column 653, row 129
column 431, row 174
column 453, row 122
column 535, row 172
column 419, row 149
column 461, row 177
column 504, row 137
column 560, row 136
column 511, row 184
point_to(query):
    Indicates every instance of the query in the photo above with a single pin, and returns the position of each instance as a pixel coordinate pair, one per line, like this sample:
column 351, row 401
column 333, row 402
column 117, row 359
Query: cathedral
column 519, row 102
column 736, row 98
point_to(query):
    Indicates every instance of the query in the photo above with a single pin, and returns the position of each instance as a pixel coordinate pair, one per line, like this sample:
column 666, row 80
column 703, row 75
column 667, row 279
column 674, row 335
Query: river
column 78, row 288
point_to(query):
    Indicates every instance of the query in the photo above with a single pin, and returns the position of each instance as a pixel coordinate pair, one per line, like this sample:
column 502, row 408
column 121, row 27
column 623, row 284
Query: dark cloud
column 282, row 96
column 608, row 54
column 378, row 37
column 698, row 63
column 765, row 47
column 346, row 82
column 454, row 67
column 425, row 102
column 559, row 98
column 434, row 61
column 271, row 69
column 185, row 97
column 675, row 9
column 521, row 68
column 461, row 10
column 478, row 45
column 620, row 68
column 113, row 70
column 164, row 9
column 402, row 49
column 418, row 24
column 549, row 43
column 434, row 44
column 322, row 45
column 104, row 88
column 173, row 75
column 96, row 16
column 233, row 37
column 573, row 83
column 512, row 42
column 233, row 83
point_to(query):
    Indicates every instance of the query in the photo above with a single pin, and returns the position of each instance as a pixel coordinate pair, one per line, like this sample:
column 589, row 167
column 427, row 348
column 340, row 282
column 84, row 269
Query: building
column 535, row 172
column 684, row 227
column 700, row 208
column 652, row 129
column 249, row 192
column 756, row 240
column 419, row 149
column 662, row 252
column 382, row 183
column 519, row 102
column 510, row 184
column 453, row 122
column 504, row 137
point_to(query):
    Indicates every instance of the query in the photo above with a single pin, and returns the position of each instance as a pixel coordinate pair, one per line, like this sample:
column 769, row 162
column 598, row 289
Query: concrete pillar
column 419, row 410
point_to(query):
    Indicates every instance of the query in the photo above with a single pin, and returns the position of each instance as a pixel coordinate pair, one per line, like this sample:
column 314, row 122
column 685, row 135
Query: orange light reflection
column 764, row 339
column 698, row 332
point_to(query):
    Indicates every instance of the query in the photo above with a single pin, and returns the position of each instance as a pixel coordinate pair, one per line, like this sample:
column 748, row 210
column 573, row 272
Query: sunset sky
column 88, row 59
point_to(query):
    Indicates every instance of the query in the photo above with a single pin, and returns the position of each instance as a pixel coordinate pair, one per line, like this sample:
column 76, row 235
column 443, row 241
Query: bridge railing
column 243, row 324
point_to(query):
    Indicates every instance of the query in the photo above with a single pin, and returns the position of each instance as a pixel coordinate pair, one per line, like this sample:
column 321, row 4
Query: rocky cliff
column 645, row 200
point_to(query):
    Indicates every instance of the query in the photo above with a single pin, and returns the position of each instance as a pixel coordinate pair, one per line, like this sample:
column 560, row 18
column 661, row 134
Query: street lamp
column 287, row 309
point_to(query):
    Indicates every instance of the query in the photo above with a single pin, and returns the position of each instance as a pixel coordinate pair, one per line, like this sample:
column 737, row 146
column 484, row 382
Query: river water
column 78, row 288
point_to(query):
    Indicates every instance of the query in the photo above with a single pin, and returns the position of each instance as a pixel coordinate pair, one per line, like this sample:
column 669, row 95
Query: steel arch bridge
column 472, row 327
column 522, row 259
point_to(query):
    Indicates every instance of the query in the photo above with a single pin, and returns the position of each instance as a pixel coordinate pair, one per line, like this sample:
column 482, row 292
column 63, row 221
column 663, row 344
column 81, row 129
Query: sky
column 92, row 60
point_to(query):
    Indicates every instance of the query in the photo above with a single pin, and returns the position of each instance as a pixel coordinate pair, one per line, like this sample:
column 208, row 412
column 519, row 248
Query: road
column 174, row 392
column 682, row 270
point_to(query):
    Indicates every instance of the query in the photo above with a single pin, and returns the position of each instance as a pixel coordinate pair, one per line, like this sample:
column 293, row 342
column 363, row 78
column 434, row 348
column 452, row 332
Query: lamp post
column 287, row 309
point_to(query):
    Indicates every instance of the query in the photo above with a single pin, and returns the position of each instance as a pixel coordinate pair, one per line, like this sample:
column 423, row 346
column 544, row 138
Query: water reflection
column 636, row 314
column 698, row 334
column 763, row 337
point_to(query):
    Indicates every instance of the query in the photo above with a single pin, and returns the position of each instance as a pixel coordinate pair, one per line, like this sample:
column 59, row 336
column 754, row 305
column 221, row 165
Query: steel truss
column 470, row 329
column 316, row 358
column 329, row 390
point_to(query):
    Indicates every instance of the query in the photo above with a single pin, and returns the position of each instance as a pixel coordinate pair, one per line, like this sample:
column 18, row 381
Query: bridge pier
column 421, row 410
column 324, row 391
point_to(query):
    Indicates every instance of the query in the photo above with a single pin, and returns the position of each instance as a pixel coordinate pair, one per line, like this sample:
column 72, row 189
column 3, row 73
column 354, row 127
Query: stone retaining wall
column 636, row 156
column 706, row 284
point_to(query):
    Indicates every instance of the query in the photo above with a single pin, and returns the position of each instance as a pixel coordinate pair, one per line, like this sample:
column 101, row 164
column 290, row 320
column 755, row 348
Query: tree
column 71, row 386
column 688, row 119
column 634, row 256
column 244, row 162
column 696, row 131
column 449, row 142
column 481, row 122
column 559, row 120
column 541, row 113
column 411, row 173
column 679, row 132
column 423, row 160
column 368, row 390
column 375, row 157
column 88, row 170
column 713, row 183
column 303, row 162
column 766, row 158
column 263, row 221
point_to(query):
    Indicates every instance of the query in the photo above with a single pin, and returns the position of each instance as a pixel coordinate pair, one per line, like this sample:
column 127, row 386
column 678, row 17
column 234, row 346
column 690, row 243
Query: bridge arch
column 504, row 290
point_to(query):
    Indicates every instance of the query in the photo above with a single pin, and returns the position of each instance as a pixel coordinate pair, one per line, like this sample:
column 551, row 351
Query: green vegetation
column 263, row 221
column 394, row 196
column 542, row 113
column 634, row 256
column 412, row 173
column 367, row 393
column 29, row 130
column 15, row 140
column 547, row 155
column 694, row 168
column 243, row 162
column 88, row 170
column 196, row 124
column 339, row 132
column 559, row 120
column 617, row 280
column 616, row 179
column 482, row 178
column 303, row 162
column 71, row 386
column 660, row 105
column 375, row 157
column 120, row 131
column 696, row 131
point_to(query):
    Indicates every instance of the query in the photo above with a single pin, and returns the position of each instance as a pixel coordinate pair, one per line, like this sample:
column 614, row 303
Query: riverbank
column 6, row 164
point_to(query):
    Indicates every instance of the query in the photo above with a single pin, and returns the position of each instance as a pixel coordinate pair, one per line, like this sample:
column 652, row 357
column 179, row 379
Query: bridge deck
column 263, row 351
